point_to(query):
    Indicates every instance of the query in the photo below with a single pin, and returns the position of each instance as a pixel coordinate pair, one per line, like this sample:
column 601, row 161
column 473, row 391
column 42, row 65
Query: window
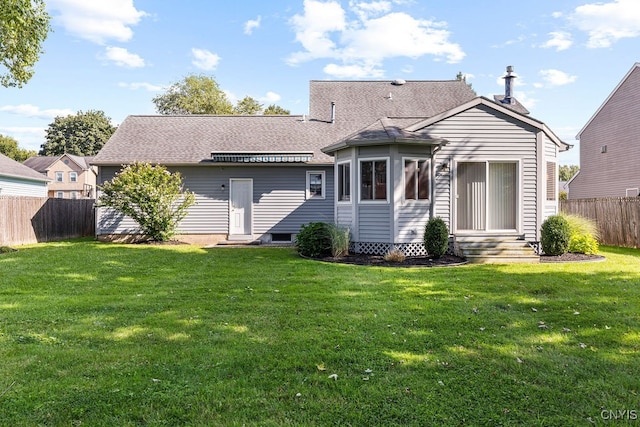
column 551, row 180
column 59, row 177
column 373, row 180
column 60, row 194
column 344, row 182
column 632, row 192
column 74, row 194
column 73, row 176
column 416, row 179
column 315, row 185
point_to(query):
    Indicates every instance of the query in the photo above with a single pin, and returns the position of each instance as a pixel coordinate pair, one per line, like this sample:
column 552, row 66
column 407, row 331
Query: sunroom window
column 416, row 179
column 344, row 182
column 373, row 180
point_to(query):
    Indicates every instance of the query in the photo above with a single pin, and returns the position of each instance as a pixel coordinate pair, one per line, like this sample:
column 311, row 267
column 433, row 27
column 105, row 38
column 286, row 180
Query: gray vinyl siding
column 617, row 126
column 21, row 187
column 374, row 224
column 481, row 134
column 411, row 222
column 344, row 215
column 279, row 200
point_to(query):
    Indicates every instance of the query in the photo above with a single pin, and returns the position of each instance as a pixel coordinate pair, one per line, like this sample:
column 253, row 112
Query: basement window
column 281, row 237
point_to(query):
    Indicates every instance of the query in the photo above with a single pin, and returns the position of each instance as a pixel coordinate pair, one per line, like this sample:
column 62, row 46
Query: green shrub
column 313, row 240
column 436, row 237
column 555, row 235
column 583, row 244
column 339, row 239
column 583, row 234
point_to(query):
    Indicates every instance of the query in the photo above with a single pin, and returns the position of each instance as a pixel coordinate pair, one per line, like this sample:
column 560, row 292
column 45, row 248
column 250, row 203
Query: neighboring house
column 610, row 145
column 72, row 177
column 17, row 179
column 379, row 157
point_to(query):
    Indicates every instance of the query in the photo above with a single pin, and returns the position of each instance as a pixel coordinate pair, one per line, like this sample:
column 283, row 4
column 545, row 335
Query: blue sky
column 116, row 55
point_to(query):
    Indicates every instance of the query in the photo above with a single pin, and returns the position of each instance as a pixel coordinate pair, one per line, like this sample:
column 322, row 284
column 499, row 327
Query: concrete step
column 496, row 249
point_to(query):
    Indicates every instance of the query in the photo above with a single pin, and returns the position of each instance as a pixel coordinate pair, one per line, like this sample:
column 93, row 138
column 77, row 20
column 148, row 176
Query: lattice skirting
column 379, row 248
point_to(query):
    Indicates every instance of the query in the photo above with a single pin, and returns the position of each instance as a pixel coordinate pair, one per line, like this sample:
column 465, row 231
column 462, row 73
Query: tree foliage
column 200, row 94
column 151, row 195
column 566, row 172
column 247, row 106
column 9, row 147
column 24, row 25
column 275, row 110
column 196, row 94
column 82, row 134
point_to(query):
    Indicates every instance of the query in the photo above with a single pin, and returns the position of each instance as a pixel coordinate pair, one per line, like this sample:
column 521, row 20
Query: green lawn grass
column 107, row 334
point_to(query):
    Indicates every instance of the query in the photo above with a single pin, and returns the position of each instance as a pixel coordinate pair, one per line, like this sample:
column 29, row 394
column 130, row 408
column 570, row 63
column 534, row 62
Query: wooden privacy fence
column 25, row 220
column 618, row 218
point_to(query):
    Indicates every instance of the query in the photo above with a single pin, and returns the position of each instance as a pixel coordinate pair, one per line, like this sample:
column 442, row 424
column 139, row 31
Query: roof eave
column 385, row 141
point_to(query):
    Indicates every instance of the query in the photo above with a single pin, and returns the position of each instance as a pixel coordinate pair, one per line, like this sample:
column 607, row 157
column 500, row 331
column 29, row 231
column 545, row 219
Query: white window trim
column 74, row 195
column 59, row 194
column 309, row 196
column 635, row 190
column 374, row 201
column 61, row 175
column 337, row 179
column 404, row 184
column 71, row 174
column 548, row 160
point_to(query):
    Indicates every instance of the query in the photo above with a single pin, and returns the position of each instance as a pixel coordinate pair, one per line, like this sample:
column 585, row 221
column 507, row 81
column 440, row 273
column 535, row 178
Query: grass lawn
column 104, row 334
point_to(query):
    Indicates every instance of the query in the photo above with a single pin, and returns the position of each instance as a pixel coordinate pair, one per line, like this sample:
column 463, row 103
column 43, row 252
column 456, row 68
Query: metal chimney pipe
column 508, row 94
column 333, row 111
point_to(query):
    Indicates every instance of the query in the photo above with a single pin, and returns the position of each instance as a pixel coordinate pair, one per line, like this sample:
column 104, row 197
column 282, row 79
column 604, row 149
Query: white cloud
column 556, row 77
column 30, row 138
column 97, row 20
column 204, row 59
column 251, row 25
column 367, row 10
column 270, row 97
column 141, row 85
column 607, row 23
column 560, row 40
column 354, row 71
column 32, row 111
column 362, row 44
column 122, row 57
column 557, row 14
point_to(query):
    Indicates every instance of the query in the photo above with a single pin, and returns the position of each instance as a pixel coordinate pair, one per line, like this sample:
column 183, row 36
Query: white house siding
column 411, row 222
column 22, row 187
column 551, row 207
column 279, row 200
column 481, row 134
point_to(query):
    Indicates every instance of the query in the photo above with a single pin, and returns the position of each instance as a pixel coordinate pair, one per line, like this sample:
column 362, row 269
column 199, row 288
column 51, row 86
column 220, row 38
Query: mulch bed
column 379, row 261
column 571, row 257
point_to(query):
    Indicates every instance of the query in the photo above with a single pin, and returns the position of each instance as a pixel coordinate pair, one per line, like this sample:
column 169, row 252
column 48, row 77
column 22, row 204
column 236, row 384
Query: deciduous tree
column 200, row 94
column 275, row 110
column 82, row 134
column 9, row 147
column 195, row 94
column 566, row 172
column 247, row 106
column 151, row 195
column 24, row 25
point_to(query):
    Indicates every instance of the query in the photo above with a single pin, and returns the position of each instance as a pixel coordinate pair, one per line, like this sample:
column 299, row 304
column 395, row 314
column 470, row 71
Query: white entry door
column 240, row 204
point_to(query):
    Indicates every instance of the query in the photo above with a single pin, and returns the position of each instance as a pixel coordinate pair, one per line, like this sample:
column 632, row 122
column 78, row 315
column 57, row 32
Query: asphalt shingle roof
column 191, row 139
column 11, row 168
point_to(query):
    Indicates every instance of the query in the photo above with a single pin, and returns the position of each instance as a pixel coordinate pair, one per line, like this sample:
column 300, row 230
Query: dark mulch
column 379, row 261
column 571, row 257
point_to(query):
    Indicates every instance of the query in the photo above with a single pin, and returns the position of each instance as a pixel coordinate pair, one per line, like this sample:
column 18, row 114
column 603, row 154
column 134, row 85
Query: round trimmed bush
column 314, row 240
column 555, row 235
column 436, row 237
